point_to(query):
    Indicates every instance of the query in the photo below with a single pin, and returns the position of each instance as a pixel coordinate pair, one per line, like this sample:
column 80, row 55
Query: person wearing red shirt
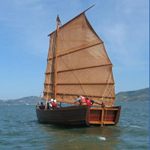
column 88, row 102
column 42, row 106
column 81, row 99
column 54, row 104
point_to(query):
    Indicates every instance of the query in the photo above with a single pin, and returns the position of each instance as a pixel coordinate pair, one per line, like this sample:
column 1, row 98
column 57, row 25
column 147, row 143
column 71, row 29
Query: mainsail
column 83, row 66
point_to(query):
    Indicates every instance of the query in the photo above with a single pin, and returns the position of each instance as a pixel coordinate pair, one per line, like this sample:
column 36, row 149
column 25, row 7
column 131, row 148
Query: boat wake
column 101, row 138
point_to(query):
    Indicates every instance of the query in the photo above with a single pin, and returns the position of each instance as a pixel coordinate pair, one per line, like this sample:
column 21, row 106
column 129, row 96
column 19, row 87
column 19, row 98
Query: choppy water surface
column 19, row 130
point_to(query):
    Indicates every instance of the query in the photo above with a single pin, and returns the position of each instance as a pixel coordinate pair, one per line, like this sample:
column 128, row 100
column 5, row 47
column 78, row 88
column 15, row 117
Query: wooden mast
column 57, row 29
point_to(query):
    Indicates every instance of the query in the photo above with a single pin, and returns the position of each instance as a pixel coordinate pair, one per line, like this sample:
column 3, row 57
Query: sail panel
column 91, row 56
column 76, row 34
column 83, row 64
column 89, row 75
column 87, row 57
column 93, row 90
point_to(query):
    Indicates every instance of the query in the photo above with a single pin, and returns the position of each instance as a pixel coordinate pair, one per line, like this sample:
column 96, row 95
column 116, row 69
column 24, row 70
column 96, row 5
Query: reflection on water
column 82, row 138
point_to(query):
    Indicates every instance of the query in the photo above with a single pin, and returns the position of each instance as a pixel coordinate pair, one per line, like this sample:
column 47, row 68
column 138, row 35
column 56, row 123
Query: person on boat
column 42, row 106
column 50, row 102
column 57, row 105
column 81, row 99
column 48, row 105
column 54, row 104
column 88, row 102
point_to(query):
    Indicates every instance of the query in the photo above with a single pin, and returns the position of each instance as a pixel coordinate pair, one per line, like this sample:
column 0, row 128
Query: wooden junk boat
column 78, row 63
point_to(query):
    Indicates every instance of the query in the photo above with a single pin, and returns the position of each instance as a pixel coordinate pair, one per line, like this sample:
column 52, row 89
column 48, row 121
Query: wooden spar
column 74, row 18
column 76, row 50
column 75, row 69
column 110, row 83
column 102, row 117
column 67, row 94
column 97, row 103
column 88, row 8
column 57, row 29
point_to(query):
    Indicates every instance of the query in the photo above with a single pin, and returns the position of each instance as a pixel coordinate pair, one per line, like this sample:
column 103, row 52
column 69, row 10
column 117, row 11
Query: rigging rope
column 105, row 93
column 40, row 95
column 39, row 98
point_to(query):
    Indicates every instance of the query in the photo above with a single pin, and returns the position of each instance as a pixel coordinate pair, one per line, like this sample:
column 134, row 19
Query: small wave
column 102, row 138
column 70, row 140
column 138, row 127
column 133, row 126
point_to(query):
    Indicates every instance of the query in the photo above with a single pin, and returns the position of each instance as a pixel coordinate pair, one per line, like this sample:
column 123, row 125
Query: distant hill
column 31, row 100
column 133, row 96
column 130, row 96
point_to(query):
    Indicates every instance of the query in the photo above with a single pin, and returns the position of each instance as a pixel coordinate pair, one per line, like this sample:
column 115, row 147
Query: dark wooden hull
column 73, row 115
column 80, row 115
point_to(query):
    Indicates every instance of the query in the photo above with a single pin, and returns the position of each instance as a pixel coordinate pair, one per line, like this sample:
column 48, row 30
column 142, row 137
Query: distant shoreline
column 122, row 97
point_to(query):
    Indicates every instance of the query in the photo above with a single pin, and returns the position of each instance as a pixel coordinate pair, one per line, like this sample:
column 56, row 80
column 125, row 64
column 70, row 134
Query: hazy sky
column 123, row 25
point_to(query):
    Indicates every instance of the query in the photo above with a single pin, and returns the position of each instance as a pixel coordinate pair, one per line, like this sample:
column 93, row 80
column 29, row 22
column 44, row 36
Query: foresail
column 83, row 65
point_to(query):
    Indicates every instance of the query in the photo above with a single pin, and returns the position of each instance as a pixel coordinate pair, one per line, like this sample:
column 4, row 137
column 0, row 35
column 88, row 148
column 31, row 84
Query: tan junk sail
column 83, row 65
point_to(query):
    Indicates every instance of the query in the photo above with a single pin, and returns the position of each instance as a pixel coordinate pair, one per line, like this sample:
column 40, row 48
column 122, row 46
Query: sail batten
column 83, row 66
column 80, row 68
column 73, row 51
column 67, row 94
column 95, row 83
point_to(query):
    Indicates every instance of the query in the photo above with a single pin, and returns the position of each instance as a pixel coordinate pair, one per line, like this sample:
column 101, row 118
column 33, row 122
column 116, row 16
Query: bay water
column 20, row 130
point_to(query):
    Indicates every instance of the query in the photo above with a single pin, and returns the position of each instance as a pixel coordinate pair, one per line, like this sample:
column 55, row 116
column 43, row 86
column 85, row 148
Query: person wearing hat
column 54, row 104
column 50, row 103
column 81, row 99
